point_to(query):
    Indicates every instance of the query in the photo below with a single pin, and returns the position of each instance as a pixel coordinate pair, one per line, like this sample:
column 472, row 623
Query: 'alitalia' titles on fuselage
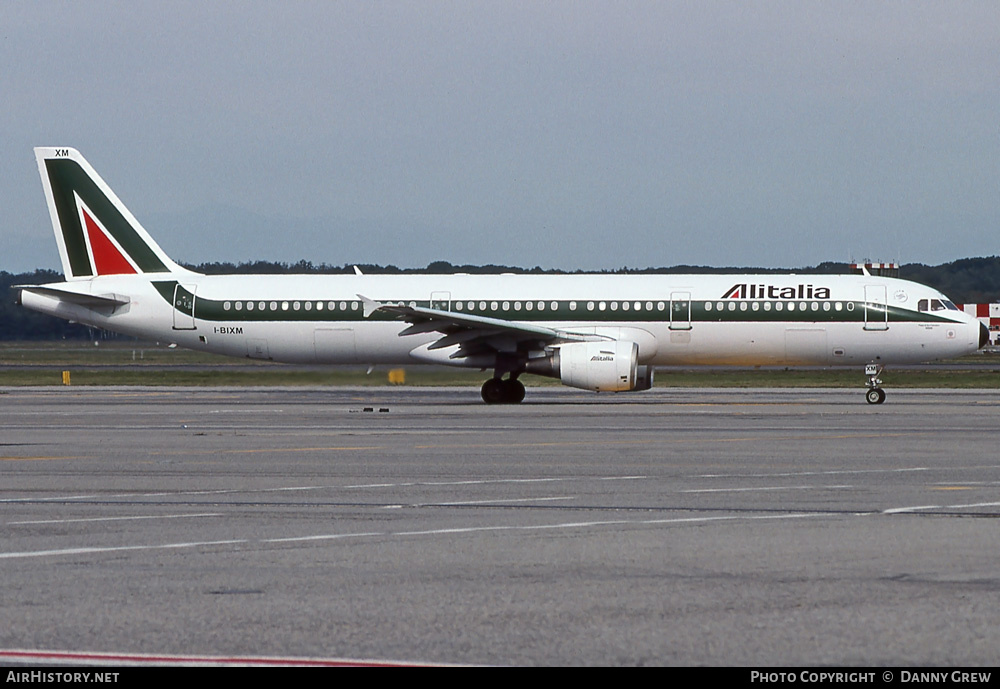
column 765, row 291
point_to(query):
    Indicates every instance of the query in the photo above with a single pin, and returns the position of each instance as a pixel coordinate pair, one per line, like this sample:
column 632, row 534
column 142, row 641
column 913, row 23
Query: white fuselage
column 675, row 319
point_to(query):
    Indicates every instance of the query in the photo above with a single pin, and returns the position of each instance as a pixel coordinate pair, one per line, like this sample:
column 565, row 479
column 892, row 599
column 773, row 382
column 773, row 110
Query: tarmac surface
column 669, row 527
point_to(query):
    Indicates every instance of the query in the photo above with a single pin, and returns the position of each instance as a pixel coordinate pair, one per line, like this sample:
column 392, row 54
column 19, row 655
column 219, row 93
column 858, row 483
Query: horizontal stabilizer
column 90, row 301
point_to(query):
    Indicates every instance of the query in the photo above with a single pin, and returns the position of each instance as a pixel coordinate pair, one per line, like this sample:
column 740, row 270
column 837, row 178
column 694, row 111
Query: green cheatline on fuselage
column 701, row 311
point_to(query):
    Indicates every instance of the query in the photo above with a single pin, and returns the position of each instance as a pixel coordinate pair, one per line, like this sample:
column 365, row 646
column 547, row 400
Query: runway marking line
column 33, row 459
column 459, row 503
column 115, row 549
column 917, row 508
column 92, row 550
column 608, row 522
column 271, row 449
column 762, row 488
column 816, row 473
column 674, row 441
column 170, row 660
column 52, row 499
column 115, row 519
column 280, row 489
column 571, row 443
column 321, row 537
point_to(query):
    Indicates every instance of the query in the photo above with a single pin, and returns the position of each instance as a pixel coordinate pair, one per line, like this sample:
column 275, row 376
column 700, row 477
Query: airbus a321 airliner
column 595, row 332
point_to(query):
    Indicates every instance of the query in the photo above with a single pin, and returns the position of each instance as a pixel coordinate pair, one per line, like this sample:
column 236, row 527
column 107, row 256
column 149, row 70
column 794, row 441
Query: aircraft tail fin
column 95, row 232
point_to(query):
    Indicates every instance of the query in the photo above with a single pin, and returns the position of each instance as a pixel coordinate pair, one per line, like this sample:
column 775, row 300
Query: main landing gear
column 500, row 391
column 875, row 394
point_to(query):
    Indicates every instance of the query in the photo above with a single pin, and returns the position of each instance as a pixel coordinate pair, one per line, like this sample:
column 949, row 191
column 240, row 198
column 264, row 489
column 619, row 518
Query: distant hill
column 968, row 280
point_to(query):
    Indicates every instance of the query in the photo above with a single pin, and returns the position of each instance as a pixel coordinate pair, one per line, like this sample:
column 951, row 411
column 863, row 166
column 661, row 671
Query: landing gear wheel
column 513, row 391
column 875, row 396
column 497, row 391
column 493, row 391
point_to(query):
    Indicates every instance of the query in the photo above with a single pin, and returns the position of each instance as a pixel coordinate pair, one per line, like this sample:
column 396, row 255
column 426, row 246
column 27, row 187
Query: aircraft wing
column 473, row 334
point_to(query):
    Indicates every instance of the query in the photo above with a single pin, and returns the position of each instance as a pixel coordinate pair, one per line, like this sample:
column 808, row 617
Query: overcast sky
column 561, row 134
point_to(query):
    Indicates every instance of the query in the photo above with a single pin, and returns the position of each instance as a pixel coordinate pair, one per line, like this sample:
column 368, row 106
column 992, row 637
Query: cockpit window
column 936, row 305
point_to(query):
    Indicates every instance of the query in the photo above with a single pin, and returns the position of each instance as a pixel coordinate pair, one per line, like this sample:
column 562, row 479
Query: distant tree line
column 966, row 281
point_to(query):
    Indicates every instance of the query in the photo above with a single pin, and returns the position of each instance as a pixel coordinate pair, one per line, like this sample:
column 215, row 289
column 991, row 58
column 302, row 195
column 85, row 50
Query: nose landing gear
column 874, row 394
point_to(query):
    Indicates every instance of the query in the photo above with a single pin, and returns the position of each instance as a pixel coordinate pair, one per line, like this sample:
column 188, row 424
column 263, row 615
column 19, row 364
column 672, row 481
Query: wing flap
column 474, row 335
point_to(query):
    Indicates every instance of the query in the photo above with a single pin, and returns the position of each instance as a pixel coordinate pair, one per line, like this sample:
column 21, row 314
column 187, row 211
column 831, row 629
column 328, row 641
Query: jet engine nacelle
column 609, row 366
column 643, row 377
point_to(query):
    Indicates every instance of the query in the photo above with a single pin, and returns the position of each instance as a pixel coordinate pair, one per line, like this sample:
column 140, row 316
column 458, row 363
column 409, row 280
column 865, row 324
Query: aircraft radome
column 594, row 332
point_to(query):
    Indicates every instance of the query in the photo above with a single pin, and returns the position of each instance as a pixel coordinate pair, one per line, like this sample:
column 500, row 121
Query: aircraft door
column 441, row 301
column 257, row 349
column 876, row 311
column 680, row 310
column 335, row 345
column 184, row 307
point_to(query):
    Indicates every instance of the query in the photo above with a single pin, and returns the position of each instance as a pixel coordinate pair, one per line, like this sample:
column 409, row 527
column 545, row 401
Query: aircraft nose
column 984, row 335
